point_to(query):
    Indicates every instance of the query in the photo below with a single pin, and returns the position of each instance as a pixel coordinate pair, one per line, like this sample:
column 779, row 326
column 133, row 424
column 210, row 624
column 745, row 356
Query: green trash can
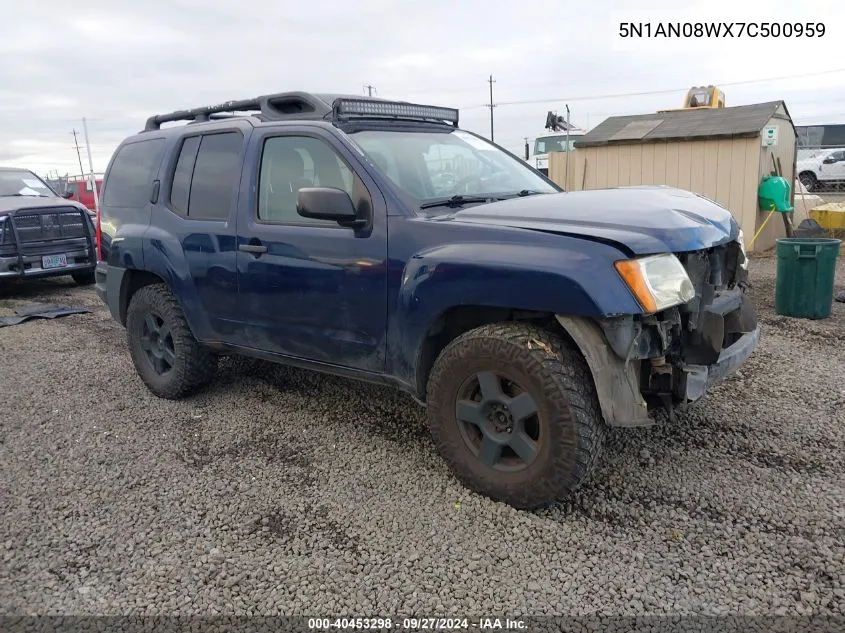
column 805, row 271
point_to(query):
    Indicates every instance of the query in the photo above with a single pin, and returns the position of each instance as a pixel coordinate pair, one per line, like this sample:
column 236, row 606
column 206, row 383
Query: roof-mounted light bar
column 344, row 109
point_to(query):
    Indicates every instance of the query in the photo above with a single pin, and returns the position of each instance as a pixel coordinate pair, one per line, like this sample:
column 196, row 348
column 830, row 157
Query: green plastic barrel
column 805, row 271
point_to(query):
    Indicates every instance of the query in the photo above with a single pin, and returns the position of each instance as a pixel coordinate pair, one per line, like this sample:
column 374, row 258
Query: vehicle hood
column 644, row 219
column 14, row 203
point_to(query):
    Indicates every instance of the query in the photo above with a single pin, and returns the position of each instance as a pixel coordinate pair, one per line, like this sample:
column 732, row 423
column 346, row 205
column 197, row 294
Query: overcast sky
column 116, row 63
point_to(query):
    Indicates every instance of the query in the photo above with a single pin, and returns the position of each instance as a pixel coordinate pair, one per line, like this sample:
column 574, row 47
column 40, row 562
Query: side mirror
column 67, row 195
column 326, row 203
column 829, row 160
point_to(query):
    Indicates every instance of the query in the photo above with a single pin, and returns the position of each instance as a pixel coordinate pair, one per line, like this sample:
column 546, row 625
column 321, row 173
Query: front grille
column 44, row 225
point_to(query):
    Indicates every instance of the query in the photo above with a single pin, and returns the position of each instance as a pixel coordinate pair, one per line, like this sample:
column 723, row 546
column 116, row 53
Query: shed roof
column 747, row 120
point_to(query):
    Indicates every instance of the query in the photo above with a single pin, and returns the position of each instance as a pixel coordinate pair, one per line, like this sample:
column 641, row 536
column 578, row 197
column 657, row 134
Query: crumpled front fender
column 616, row 380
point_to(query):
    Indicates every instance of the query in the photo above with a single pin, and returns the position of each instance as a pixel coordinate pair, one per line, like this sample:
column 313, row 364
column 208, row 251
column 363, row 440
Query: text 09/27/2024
column 721, row 29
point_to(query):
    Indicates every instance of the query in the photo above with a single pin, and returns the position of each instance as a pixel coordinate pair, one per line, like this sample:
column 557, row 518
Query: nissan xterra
column 377, row 240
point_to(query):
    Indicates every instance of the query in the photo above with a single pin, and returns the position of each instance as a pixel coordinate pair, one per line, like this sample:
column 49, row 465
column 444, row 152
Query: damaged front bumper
column 699, row 378
column 657, row 361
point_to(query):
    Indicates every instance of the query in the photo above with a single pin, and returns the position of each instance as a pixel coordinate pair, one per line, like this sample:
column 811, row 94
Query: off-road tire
column 83, row 279
column 195, row 365
column 556, row 375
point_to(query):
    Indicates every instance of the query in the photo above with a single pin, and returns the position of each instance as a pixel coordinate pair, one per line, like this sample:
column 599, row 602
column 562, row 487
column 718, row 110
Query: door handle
column 255, row 249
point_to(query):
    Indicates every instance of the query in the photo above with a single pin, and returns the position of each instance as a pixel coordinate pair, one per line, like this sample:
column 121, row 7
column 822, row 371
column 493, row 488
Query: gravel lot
column 282, row 491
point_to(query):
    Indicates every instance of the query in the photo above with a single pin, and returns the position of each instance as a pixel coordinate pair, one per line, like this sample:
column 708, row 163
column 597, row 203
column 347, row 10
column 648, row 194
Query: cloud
column 118, row 63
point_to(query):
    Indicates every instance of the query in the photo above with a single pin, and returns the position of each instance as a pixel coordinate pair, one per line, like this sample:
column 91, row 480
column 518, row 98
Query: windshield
column 432, row 164
column 546, row 144
column 18, row 182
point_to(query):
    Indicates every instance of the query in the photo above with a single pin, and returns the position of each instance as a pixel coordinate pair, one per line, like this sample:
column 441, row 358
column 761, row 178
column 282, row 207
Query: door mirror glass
column 325, row 203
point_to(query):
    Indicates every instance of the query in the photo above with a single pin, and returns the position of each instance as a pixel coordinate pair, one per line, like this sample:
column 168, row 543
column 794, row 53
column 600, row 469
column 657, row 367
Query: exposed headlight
column 658, row 281
column 741, row 241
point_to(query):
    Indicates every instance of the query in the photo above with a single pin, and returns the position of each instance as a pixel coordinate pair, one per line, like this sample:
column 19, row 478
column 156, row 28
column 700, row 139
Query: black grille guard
column 20, row 245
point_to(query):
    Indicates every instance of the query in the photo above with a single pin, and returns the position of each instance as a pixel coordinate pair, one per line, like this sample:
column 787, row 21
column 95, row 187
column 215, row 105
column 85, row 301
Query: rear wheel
column 166, row 355
column 512, row 408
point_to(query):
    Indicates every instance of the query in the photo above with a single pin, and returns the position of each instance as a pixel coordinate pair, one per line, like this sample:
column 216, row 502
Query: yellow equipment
column 701, row 97
column 830, row 216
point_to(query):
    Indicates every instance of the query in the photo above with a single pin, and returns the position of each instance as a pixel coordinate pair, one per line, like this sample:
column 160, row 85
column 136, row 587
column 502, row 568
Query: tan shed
column 719, row 153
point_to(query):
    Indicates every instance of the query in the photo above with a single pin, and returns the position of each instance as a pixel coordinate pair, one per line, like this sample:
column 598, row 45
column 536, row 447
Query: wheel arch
column 457, row 320
column 132, row 280
column 617, row 382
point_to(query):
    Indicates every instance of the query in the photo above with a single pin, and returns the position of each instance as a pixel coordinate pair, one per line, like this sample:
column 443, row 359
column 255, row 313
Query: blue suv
column 377, row 240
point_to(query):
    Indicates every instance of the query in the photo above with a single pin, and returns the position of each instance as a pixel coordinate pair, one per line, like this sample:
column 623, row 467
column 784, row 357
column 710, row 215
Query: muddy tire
column 83, row 279
column 513, row 410
column 166, row 356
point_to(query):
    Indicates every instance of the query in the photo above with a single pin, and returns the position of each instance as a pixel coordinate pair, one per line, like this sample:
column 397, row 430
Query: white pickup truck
column 822, row 170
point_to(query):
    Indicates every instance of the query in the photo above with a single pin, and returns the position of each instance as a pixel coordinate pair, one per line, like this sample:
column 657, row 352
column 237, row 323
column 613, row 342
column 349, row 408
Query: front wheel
column 513, row 410
column 83, row 279
column 166, row 355
column 809, row 180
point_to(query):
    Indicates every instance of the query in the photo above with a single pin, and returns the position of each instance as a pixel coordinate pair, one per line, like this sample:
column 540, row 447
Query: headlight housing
column 741, row 241
column 657, row 281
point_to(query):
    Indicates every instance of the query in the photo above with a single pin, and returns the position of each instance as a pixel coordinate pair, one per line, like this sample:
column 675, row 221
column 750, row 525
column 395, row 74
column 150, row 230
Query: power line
column 658, row 92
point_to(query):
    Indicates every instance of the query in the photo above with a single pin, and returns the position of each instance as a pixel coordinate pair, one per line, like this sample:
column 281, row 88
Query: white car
column 822, row 170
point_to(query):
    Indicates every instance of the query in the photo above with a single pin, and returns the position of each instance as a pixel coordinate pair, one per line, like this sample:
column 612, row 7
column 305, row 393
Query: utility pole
column 369, row 89
column 566, row 168
column 91, row 176
column 78, row 154
column 491, row 81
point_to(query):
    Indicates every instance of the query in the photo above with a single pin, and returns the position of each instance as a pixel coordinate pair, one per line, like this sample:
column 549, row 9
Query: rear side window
column 181, row 187
column 130, row 178
column 205, row 176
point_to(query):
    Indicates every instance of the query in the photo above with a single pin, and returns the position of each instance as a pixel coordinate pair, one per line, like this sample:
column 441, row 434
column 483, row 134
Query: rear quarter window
column 130, row 178
column 206, row 175
column 215, row 177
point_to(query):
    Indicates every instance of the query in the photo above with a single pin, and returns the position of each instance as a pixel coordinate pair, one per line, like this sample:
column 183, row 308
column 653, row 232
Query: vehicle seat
column 286, row 177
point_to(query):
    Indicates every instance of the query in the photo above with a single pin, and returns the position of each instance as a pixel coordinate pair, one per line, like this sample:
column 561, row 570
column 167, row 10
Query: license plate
column 54, row 261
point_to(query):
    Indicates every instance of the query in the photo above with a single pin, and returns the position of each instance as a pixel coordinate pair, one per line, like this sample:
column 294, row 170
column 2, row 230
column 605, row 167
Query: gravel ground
column 283, row 491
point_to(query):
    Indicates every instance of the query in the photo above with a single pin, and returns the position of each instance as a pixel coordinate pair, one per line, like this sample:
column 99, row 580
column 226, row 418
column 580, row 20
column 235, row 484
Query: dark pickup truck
column 377, row 240
column 41, row 233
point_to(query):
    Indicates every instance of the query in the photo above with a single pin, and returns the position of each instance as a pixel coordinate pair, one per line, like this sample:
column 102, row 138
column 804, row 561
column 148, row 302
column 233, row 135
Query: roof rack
column 304, row 105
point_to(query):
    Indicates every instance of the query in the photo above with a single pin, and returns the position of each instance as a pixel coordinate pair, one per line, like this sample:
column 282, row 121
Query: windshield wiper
column 456, row 201
column 23, row 195
column 520, row 194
